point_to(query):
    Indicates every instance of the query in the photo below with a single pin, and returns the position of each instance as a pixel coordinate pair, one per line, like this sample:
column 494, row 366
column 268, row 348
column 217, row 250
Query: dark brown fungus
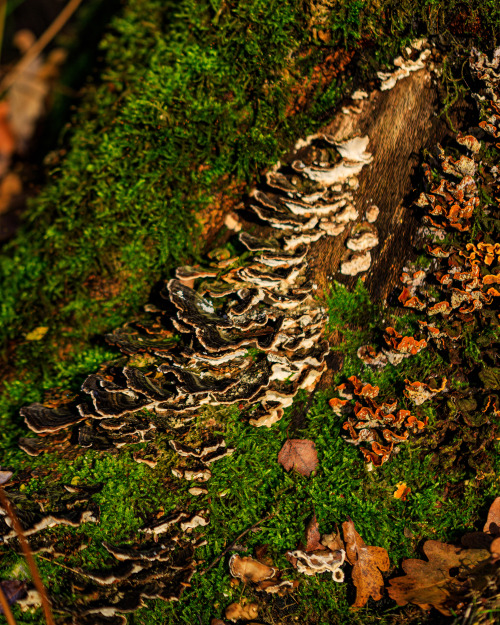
column 255, row 244
column 43, row 420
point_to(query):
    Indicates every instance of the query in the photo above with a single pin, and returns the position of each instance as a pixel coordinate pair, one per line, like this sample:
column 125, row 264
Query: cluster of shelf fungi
column 243, row 330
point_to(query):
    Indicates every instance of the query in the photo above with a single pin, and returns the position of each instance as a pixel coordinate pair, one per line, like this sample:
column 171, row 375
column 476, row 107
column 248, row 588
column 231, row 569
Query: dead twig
column 231, row 545
column 6, row 608
column 40, row 44
column 37, row 581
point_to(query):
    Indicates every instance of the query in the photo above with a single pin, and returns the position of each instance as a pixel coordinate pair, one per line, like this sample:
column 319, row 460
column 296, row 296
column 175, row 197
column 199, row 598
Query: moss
column 193, row 94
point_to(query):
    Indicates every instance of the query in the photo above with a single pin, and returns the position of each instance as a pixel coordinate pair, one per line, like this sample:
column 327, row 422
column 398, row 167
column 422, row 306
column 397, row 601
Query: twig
column 68, row 568
column 6, row 608
column 231, row 545
column 3, row 13
column 29, row 556
column 40, row 44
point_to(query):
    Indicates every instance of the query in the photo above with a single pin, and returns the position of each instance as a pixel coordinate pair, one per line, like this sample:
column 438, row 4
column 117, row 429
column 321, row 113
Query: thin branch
column 68, row 568
column 6, row 608
column 231, row 545
column 29, row 556
column 40, row 44
column 3, row 13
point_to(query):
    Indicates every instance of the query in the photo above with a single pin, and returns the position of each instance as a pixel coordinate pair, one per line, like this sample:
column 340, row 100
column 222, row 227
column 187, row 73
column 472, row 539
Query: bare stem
column 40, row 44
column 6, row 608
column 29, row 556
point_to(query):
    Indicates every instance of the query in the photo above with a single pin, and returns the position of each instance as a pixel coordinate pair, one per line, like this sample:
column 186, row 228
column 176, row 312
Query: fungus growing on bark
column 43, row 420
column 370, row 356
column 354, row 263
column 34, row 516
column 378, row 425
column 389, row 79
column 363, row 237
column 419, row 392
column 224, row 333
column 372, row 213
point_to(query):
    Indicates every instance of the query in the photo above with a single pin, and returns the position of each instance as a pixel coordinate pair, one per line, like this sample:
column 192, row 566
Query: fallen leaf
column 245, row 612
column 492, row 525
column 313, row 536
column 262, row 555
column 367, row 562
column 300, row 455
column 37, row 334
column 13, row 589
column 5, row 476
column 430, row 584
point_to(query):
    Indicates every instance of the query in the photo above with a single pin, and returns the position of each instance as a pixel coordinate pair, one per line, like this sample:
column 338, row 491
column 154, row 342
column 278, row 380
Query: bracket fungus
column 221, row 333
column 376, row 428
column 404, row 66
column 264, row 578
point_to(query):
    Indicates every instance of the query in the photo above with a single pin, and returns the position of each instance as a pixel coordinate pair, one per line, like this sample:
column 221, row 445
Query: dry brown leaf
column 246, row 612
column 262, row 554
column 429, row 584
column 313, row 536
column 492, row 525
column 367, row 562
column 495, row 548
column 300, row 455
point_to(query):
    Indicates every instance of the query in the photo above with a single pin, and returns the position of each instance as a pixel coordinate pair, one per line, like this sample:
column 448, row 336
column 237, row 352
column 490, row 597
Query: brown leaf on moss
column 313, row 536
column 492, row 525
column 368, row 564
column 430, row 584
column 300, row 455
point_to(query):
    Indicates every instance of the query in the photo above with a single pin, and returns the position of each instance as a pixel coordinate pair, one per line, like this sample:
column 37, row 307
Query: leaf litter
column 299, row 455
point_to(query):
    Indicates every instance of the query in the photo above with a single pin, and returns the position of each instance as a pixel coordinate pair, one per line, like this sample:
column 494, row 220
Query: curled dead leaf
column 313, row 536
column 492, row 525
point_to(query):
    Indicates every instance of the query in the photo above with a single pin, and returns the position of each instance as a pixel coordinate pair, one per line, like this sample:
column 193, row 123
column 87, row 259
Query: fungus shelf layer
column 232, row 332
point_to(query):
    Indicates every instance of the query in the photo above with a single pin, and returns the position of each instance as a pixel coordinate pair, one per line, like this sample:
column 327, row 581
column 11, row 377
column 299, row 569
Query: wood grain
column 400, row 123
